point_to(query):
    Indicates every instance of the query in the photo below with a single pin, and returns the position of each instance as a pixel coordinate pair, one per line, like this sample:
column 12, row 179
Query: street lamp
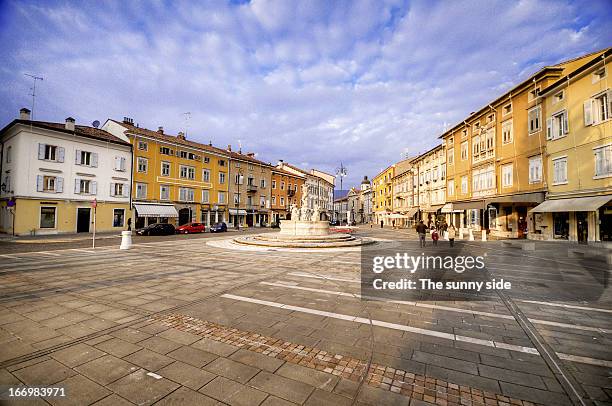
column 237, row 216
column 341, row 171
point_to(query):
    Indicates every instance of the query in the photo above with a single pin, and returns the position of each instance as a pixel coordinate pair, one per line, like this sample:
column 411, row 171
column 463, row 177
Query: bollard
column 126, row 240
column 470, row 235
column 484, row 235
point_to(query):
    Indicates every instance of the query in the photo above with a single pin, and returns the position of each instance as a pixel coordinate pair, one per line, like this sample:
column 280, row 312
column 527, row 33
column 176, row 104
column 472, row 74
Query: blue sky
column 310, row 82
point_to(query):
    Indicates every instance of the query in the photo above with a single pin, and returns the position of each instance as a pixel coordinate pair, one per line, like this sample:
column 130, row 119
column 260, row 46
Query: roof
column 80, row 130
column 287, row 173
column 439, row 146
column 576, row 72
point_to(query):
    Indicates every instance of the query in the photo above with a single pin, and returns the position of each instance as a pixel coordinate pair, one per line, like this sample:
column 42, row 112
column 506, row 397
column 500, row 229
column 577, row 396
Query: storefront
column 211, row 215
column 471, row 215
column 581, row 219
column 507, row 216
column 151, row 213
column 237, row 217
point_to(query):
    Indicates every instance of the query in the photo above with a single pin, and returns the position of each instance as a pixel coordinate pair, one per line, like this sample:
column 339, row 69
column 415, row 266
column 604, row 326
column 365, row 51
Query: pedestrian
column 393, row 224
column 435, row 237
column 452, row 233
column 382, row 223
column 129, row 224
column 422, row 232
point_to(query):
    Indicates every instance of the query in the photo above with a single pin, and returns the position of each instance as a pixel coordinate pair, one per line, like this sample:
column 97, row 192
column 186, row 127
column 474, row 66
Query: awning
column 398, row 216
column 239, row 212
column 477, row 204
column 410, row 213
column 432, row 209
column 591, row 203
column 155, row 210
column 449, row 208
column 537, row 197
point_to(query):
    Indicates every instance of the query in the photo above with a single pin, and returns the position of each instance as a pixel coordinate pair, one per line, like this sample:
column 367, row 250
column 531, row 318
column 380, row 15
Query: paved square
column 194, row 321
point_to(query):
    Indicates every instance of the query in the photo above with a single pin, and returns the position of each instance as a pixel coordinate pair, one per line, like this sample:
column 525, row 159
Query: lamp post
column 237, row 216
column 341, row 171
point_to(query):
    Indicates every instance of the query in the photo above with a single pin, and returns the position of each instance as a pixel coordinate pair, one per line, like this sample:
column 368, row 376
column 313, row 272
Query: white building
column 320, row 187
column 52, row 173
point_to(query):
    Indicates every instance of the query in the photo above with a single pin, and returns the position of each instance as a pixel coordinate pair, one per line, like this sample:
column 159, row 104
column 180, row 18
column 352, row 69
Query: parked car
column 218, row 228
column 190, row 228
column 334, row 223
column 156, row 229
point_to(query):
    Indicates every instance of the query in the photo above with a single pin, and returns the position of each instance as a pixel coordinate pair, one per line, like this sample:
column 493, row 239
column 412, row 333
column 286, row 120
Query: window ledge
column 603, row 176
column 559, row 183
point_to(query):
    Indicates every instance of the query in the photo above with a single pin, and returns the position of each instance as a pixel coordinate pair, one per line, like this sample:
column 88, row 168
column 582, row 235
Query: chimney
column 24, row 114
column 160, row 129
column 210, row 143
column 229, row 148
column 251, row 154
column 128, row 120
column 70, row 124
column 181, row 136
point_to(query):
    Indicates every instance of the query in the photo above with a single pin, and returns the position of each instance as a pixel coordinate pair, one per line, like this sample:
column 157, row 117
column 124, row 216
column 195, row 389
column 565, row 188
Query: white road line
column 416, row 330
column 9, row 256
column 445, row 308
column 331, row 278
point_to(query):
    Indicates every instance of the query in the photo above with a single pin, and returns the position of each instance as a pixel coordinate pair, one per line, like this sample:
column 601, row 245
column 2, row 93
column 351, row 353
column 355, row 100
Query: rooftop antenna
column 33, row 89
column 95, row 124
column 240, row 146
column 187, row 118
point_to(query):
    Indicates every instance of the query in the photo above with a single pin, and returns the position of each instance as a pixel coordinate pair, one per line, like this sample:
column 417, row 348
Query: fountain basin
column 304, row 228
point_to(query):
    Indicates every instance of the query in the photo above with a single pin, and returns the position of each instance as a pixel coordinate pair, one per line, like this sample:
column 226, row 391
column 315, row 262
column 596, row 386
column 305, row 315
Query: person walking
column 435, row 237
column 382, row 223
column 452, row 233
column 422, row 232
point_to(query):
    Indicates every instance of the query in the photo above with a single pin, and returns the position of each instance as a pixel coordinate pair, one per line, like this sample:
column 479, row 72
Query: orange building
column 286, row 191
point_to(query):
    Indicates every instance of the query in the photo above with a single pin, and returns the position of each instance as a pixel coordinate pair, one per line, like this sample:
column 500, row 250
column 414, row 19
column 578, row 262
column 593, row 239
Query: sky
column 314, row 83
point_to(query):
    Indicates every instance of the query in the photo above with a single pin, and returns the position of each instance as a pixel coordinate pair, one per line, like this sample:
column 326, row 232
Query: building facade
column 175, row 180
column 250, row 190
column 286, row 189
column 320, row 188
column 62, row 178
column 365, row 200
column 578, row 159
column 404, row 207
column 382, row 195
column 430, row 190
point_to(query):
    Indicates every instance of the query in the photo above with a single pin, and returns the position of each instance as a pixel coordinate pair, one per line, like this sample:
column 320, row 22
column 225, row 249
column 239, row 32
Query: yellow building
column 382, row 195
column 62, row 178
column 174, row 180
column 578, row 161
column 495, row 158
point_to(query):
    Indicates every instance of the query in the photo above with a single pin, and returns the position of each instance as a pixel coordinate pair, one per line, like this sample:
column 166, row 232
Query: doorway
column 184, row 216
column 83, row 218
column 583, row 226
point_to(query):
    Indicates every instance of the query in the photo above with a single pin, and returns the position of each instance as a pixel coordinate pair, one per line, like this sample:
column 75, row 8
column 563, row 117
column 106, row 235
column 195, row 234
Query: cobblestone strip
column 416, row 386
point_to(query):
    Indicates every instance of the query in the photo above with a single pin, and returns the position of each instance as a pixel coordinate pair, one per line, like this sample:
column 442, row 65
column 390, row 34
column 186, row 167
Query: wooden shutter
column 94, row 160
column 588, row 112
column 41, row 151
column 94, row 187
column 112, row 189
column 39, row 183
column 77, row 186
column 565, row 123
column 549, row 128
column 59, row 185
column 77, row 157
column 60, row 154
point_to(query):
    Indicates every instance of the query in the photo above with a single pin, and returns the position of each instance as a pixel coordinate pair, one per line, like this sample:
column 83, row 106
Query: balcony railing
column 251, row 188
column 290, row 192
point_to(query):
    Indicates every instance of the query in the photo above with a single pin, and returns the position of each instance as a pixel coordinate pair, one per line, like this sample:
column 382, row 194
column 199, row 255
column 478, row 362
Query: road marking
column 9, row 256
column 416, row 330
column 439, row 307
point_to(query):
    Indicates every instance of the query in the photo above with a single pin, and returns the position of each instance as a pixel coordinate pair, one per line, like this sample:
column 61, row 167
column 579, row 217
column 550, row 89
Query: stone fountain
column 305, row 229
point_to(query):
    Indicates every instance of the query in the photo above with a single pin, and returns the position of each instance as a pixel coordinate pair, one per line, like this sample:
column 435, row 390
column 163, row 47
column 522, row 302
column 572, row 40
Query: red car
column 190, row 228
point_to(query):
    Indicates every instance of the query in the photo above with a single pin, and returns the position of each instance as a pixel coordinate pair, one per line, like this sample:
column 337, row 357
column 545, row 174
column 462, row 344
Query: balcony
column 251, row 188
column 290, row 192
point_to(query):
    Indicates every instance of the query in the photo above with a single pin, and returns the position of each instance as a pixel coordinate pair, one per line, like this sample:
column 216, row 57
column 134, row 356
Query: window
column 262, row 201
column 221, row 177
column 490, row 118
column 476, row 146
column 282, row 185
column 51, row 153
column 273, row 184
column 483, row 179
column 274, row 200
column 282, row 201
column 9, row 153
column 186, row 194
column 557, row 97
column 598, row 109
column 49, row 183
column 120, row 163
column 450, row 141
column 47, row 217
column 464, row 150
column 464, row 185
column 599, row 74
column 238, row 179
column 464, row 133
column 221, row 162
column 143, row 164
column 533, row 94
column 183, row 154
column 507, row 175
column 250, row 166
column 206, row 160
column 164, row 192
column 221, row 197
column 165, row 169
column 118, row 217
column 205, row 196
column 85, row 187
column 236, row 199
column 535, row 169
column 143, row 146
column 141, row 191
column 166, row 151
column 559, row 170
column 450, row 187
column 117, row 189
column 507, row 109
column 451, row 156
column 507, row 136
column 557, row 125
column 86, row 158
column 205, row 175
column 603, row 161
column 534, row 118
column 250, row 181
column 263, row 183
column 52, row 184
column 187, row 172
